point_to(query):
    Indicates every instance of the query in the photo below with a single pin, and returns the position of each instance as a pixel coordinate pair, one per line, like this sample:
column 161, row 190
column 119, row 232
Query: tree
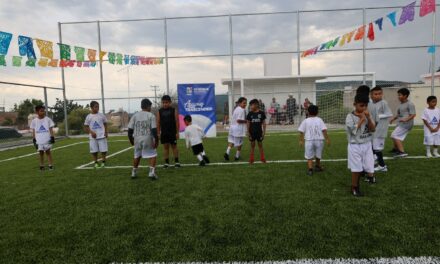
column 58, row 109
column 25, row 108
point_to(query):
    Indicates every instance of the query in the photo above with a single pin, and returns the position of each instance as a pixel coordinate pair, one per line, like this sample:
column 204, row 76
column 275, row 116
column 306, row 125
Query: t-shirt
column 406, row 109
column 42, row 129
column 382, row 113
column 167, row 121
column 357, row 135
column 96, row 122
column 432, row 116
column 256, row 120
column 236, row 129
column 142, row 123
column 312, row 128
column 193, row 135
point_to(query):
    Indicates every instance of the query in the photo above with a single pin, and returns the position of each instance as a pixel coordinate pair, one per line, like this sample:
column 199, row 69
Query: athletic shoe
column 309, row 172
column 356, row 192
column 152, row 176
column 41, row 168
column 251, row 160
column 202, row 163
column 177, row 165
column 429, row 155
column 206, row 159
column 133, row 174
column 263, row 160
column 372, row 180
column 436, row 155
column 381, row 169
column 319, row 168
column 394, row 151
column 50, row 167
column 236, row 158
column 226, row 156
column 96, row 165
column 401, row 155
column 166, row 165
column 102, row 165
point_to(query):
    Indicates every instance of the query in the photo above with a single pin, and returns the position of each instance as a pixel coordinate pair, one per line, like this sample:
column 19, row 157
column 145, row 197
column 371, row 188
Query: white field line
column 84, row 167
column 36, row 152
column 109, row 156
column 396, row 260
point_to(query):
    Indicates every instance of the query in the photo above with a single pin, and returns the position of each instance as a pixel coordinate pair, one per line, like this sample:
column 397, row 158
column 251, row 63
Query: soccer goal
column 285, row 99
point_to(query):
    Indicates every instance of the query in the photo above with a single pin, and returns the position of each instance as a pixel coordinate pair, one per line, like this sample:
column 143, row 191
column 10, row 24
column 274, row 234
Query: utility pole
column 155, row 89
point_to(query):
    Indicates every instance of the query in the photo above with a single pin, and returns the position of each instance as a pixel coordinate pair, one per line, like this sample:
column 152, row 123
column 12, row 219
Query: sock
column 167, row 161
column 380, row 160
column 237, row 154
column 176, row 160
column 199, row 157
column 262, row 154
column 152, row 170
column 435, row 151
column 228, row 150
column 134, row 170
column 203, row 153
column 428, row 150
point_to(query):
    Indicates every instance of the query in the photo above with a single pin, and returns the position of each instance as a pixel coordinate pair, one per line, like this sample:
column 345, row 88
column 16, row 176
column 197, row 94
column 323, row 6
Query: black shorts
column 256, row 136
column 168, row 139
column 197, row 149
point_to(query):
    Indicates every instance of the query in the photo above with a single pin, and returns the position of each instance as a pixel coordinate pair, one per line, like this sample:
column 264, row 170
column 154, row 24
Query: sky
column 207, row 36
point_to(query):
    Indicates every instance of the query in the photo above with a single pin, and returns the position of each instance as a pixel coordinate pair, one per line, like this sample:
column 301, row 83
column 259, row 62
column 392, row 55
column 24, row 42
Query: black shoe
column 372, row 180
column 177, row 165
column 236, row 159
column 319, row 169
column 166, row 165
column 400, row 155
column 41, row 168
column 50, row 168
column 356, row 192
column 202, row 163
column 206, row 159
column 394, row 151
column 310, row 172
column 226, row 156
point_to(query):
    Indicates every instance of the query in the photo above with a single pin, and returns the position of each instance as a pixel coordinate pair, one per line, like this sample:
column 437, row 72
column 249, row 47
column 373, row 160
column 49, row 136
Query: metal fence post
column 167, row 73
column 433, row 54
column 100, row 68
column 364, row 56
column 231, row 55
column 63, row 81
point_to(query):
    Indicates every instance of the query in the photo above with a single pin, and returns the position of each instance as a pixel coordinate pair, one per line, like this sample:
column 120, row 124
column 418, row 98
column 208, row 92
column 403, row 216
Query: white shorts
column 144, row 151
column 378, row 144
column 98, row 145
column 360, row 158
column 44, row 147
column 237, row 141
column 399, row 133
column 432, row 140
column 313, row 148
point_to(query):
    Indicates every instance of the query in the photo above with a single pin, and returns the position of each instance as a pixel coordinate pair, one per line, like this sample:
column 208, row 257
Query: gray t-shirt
column 142, row 123
column 406, row 109
column 382, row 113
column 357, row 135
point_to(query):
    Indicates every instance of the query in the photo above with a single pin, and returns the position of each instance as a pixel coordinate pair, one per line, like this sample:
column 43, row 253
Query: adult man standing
column 291, row 108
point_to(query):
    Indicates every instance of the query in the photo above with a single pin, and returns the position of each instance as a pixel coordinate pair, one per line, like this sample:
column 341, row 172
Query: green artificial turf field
column 219, row 212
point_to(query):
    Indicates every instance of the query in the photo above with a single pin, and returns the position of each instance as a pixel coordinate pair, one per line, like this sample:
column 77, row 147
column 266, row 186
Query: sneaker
column 202, row 163
column 356, row 192
column 309, row 172
column 401, row 155
column 263, row 160
column 226, row 156
column 152, row 176
column 429, row 155
column 394, row 151
column 177, row 165
column 372, row 180
column 102, row 165
column 251, row 160
column 166, row 165
column 206, row 159
column 96, row 165
column 381, row 169
column 133, row 174
column 436, row 155
column 319, row 168
column 50, row 167
column 41, row 168
column 236, row 158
